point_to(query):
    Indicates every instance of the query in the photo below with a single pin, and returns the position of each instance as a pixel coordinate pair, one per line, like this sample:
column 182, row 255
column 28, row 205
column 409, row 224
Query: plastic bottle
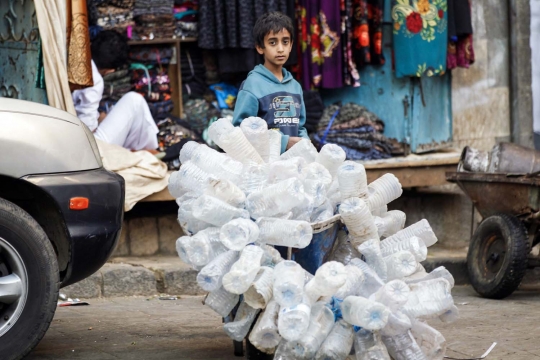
column 390, row 223
column 450, row 315
column 322, row 212
column 290, row 233
column 352, row 180
column 369, row 346
column 294, row 321
column 239, row 328
column 192, row 178
column 329, row 277
column 264, row 335
column 221, row 301
column 243, row 271
column 365, row 313
column 254, row 177
column 429, row 299
column 274, row 145
column 216, row 212
column 188, row 223
column 275, row 199
column 380, row 212
column 237, row 146
column 217, row 164
column 187, row 150
column 260, row 291
column 394, row 294
column 175, row 188
column 331, row 157
column 355, row 279
column 226, row 191
column 440, row 272
column 420, row 229
column 218, row 129
column 288, row 287
column 203, row 247
column 371, row 283
column 237, row 233
column 286, row 169
column 318, row 172
column 338, row 344
column 344, row 252
column 414, row 245
column 432, row 343
column 384, row 190
column 316, row 189
column 359, row 221
column 403, row 347
column 400, row 264
column 271, row 256
column 371, row 250
column 398, row 323
column 211, row 276
column 284, row 351
column 333, row 194
column 303, row 148
column 303, row 210
column 256, row 131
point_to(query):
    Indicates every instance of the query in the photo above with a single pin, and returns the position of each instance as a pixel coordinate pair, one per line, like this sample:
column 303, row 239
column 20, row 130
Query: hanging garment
column 331, row 51
column 79, row 56
column 460, row 34
column 367, row 18
column 420, row 37
column 351, row 76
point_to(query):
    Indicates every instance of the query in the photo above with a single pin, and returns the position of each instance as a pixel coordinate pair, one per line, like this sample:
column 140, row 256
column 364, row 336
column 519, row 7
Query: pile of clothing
column 115, row 85
column 193, row 73
column 356, row 130
column 111, row 14
column 173, row 134
column 186, row 17
column 154, row 19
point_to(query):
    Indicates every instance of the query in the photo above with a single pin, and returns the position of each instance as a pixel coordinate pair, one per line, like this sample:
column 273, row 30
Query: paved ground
column 137, row 328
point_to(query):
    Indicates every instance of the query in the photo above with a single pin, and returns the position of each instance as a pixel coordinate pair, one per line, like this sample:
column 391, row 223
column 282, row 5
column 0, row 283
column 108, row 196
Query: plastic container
column 216, row 212
column 254, row 178
column 226, row 191
column 192, row 178
column 371, row 250
column 243, row 271
column 400, row 264
column 344, row 251
column 217, row 164
column 365, row 313
column 328, row 279
column 218, row 129
column 369, row 346
column 290, row 233
column 303, row 209
column 352, row 180
column 322, row 212
column 422, row 229
column 356, row 216
column 260, row 291
column 237, row 146
column 371, row 283
column 316, row 171
column 450, row 315
column 294, row 321
column 175, row 187
column 432, row 343
column 338, row 343
column 188, row 223
column 239, row 328
column 303, row 148
column 211, row 276
column 384, row 190
column 286, row 169
column 275, row 199
column 316, row 189
column 271, row 256
column 202, row 247
column 331, row 157
column 429, row 299
column 221, row 301
column 390, row 223
column 187, row 150
column 256, row 131
column 394, row 294
column 264, row 335
column 398, row 323
column 238, row 233
column 414, row 245
column 288, row 286
column 274, row 145
column 403, row 347
column 333, row 194
column 355, row 278
column 380, row 212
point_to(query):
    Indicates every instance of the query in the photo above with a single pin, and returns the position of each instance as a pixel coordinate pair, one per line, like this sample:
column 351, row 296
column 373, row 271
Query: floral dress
column 420, row 37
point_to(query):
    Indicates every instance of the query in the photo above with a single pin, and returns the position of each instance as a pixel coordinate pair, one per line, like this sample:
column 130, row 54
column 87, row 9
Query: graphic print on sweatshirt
column 281, row 110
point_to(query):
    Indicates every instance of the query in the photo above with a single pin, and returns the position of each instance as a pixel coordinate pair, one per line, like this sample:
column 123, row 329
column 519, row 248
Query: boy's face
column 277, row 47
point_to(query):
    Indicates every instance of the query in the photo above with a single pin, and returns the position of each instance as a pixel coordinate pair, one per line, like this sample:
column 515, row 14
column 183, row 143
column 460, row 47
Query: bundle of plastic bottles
column 371, row 300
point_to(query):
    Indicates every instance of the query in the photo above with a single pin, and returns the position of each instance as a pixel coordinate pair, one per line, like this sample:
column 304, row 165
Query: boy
column 270, row 92
column 129, row 123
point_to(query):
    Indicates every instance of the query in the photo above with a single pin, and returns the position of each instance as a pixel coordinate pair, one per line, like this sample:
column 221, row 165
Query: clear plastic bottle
column 338, row 344
column 384, row 190
column 303, row 210
column 274, row 145
column 238, row 233
column 365, row 313
column 390, row 223
column 329, row 277
column 288, row 287
column 369, row 346
column 422, row 229
column 260, row 291
column 303, row 148
column 284, row 351
column 175, row 187
column 318, row 172
column 380, row 212
column 400, row 264
column 294, row 321
column 243, row 271
column 271, row 256
column 371, row 282
column 226, row 191
column 256, row 131
column 218, row 129
column 371, row 250
column 355, row 278
column 440, row 272
column 275, row 199
column 221, row 301
column 290, row 233
column 211, row 276
column 254, row 178
column 344, row 252
column 398, row 323
column 203, row 247
column 316, row 189
column 264, row 335
column 394, row 294
column 192, row 178
column 403, row 347
column 286, row 169
column 450, row 315
column 217, row 164
column 333, row 194
column 414, row 245
column 239, row 328
column 237, row 146
column 188, row 223
column 352, row 180
column 216, row 212
column 322, row 212
column 432, row 343
column 331, row 157
column 187, row 150
column 359, row 221
column 429, row 299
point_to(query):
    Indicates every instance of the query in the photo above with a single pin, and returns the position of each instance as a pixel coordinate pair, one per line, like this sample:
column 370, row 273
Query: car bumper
column 93, row 232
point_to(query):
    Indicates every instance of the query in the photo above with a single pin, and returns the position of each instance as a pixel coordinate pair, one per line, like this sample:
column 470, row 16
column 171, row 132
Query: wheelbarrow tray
column 513, row 194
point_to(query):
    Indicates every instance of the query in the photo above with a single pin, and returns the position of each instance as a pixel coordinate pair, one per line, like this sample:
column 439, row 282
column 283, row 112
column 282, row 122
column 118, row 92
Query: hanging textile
column 351, row 76
column 79, row 56
column 460, row 34
column 367, row 18
column 420, row 37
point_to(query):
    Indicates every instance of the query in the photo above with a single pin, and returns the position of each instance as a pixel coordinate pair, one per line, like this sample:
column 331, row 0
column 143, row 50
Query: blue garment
column 279, row 103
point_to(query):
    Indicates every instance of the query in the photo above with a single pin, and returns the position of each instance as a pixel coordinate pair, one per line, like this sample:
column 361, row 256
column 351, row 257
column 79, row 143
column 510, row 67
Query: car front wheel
column 29, row 282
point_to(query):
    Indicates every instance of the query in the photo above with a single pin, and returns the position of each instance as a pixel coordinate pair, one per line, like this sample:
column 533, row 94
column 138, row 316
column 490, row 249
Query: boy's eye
column 272, row 43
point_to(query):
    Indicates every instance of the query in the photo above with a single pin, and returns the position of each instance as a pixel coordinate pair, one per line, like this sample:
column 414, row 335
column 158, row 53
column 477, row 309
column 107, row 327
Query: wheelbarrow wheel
column 497, row 257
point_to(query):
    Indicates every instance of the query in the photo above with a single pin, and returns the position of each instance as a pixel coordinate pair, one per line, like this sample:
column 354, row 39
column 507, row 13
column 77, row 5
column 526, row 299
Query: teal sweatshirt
column 279, row 103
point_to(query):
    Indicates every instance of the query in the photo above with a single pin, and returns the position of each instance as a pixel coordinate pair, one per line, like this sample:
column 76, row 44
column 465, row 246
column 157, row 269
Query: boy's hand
column 293, row 140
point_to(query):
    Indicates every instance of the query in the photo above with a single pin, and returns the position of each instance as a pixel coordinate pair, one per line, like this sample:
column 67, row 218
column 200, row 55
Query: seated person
column 129, row 123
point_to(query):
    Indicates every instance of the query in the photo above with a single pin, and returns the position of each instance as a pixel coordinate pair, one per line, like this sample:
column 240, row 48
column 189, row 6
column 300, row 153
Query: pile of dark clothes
column 111, row 14
column 193, row 73
column 154, row 19
column 356, row 130
column 115, row 85
column 173, row 134
column 185, row 16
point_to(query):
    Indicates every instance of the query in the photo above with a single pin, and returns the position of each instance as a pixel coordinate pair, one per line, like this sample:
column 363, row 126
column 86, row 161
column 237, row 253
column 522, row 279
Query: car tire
column 25, row 250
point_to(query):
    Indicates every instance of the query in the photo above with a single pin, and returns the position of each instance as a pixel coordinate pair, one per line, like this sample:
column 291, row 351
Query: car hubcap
column 13, row 286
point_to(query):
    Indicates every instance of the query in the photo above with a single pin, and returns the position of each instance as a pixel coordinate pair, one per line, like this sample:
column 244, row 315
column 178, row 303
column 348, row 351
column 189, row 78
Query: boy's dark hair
column 271, row 22
column 110, row 50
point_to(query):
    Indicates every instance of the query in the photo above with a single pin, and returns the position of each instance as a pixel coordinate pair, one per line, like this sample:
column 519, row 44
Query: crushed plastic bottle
column 217, row 164
column 237, row 146
column 187, row 150
column 371, row 250
column 265, row 335
column 440, row 272
column 189, row 224
column 275, row 199
column 290, row 233
column 243, row 271
column 429, row 299
column 226, row 191
column 175, row 187
column 294, row 321
column 344, row 252
column 211, row 276
column 221, row 301
column 394, row 294
column 352, row 180
column 432, row 343
column 239, row 328
column 450, row 315
column 323, row 212
column 380, row 212
column 192, row 178
column 365, row 313
column 398, row 323
column 338, row 343
column 218, row 129
column 288, row 283
column 400, row 264
column 271, row 256
column 274, row 145
column 286, row 169
column 303, row 148
column 422, row 229
column 238, row 233
column 318, row 172
column 369, row 346
column 403, row 347
column 414, row 245
column 256, row 131
column 355, row 279
column 202, row 247
column 260, row 291
column 216, row 212
column 329, row 277
column 359, row 221
column 316, row 189
column 331, row 157
column 384, row 190
column 372, row 282
column 254, row 177
column 390, row 223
